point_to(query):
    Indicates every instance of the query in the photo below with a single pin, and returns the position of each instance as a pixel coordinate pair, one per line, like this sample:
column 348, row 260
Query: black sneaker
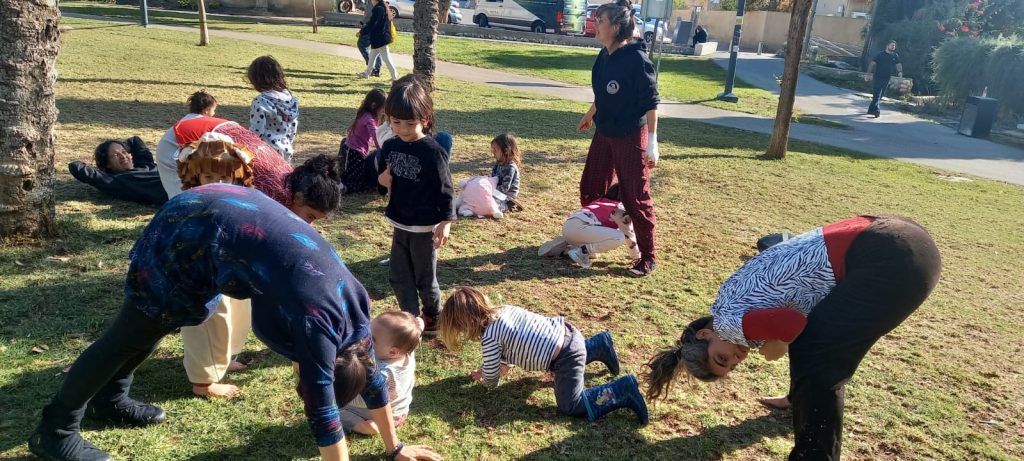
column 375, row 73
column 429, row 325
column 54, row 447
column 642, row 268
column 129, row 412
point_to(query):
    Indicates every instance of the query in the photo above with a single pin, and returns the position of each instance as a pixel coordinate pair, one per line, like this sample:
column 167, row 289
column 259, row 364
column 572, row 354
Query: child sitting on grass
column 396, row 335
column 511, row 335
column 506, row 168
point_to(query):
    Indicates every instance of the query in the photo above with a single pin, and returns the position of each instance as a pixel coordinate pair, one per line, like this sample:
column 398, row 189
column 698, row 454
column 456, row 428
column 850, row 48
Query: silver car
column 404, row 9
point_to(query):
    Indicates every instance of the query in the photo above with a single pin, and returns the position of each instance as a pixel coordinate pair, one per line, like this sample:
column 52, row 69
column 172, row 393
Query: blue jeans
column 878, row 91
column 364, row 49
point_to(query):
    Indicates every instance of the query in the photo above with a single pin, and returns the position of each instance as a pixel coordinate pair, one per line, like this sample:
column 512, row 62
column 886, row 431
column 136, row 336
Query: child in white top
column 511, row 335
column 600, row 226
column 274, row 114
column 396, row 335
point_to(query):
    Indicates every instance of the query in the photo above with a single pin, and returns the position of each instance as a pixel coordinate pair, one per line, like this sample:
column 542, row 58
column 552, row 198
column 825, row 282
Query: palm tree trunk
column 29, row 43
column 424, row 36
column 204, row 33
column 795, row 49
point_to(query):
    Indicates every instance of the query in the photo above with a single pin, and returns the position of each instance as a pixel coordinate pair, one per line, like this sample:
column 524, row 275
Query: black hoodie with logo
column 625, row 88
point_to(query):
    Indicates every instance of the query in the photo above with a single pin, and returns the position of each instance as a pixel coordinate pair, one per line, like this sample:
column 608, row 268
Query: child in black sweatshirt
column 420, row 207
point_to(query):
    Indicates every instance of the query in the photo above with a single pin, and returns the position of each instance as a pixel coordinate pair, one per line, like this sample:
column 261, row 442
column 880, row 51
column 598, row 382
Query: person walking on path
column 363, row 42
column 381, row 34
column 625, row 103
column 825, row 297
column 880, row 71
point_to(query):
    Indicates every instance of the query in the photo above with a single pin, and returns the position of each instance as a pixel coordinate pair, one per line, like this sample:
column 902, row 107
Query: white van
column 558, row 16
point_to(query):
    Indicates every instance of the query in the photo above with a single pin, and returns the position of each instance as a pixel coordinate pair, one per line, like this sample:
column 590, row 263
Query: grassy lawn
column 945, row 385
column 683, row 79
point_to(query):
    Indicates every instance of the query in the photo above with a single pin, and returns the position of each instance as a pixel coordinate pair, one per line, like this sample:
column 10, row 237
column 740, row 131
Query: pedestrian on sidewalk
column 624, row 111
column 880, row 71
column 363, row 42
column 381, row 35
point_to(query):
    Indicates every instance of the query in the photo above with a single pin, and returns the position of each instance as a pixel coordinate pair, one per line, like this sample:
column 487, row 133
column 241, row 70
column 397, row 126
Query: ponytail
column 690, row 350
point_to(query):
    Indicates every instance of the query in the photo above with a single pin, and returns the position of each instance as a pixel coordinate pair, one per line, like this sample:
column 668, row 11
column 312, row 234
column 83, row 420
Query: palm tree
column 29, row 44
column 784, row 115
column 424, row 24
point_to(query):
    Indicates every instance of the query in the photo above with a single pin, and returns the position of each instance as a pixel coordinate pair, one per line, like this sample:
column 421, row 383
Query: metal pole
column 734, row 51
column 810, row 27
column 145, row 13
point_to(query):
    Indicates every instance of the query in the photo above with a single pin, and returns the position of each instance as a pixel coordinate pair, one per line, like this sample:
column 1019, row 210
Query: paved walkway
column 934, row 146
column 895, row 134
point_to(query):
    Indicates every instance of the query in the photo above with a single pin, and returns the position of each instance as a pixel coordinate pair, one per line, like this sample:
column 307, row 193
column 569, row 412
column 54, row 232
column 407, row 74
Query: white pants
column 385, row 55
column 210, row 346
column 598, row 239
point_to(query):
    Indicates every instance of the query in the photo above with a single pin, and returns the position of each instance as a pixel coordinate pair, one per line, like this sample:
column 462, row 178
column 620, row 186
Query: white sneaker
column 498, row 215
column 554, row 247
column 384, row 262
column 581, row 256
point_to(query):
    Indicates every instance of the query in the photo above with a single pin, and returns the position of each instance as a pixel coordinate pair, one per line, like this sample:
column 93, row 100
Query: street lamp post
column 734, row 50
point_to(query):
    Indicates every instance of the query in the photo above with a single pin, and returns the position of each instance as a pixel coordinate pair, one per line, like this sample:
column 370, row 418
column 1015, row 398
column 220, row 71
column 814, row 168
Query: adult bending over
column 825, row 296
column 125, row 170
column 306, row 305
column 625, row 100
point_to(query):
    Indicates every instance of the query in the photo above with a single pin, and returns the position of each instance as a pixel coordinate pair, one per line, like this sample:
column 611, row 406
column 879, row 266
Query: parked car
column 643, row 29
column 558, row 16
column 404, row 9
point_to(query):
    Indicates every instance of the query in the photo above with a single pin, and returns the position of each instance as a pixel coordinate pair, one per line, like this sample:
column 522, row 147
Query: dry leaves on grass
column 40, row 348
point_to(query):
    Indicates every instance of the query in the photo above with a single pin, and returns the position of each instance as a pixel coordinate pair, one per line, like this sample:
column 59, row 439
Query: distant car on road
column 558, row 16
column 404, row 9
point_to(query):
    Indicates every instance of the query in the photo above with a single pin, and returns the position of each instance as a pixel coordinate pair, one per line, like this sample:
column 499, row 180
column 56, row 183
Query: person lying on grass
column 825, row 297
column 125, row 170
column 221, row 238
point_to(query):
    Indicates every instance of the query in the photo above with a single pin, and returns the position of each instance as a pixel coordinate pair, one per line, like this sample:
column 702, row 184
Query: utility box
column 978, row 116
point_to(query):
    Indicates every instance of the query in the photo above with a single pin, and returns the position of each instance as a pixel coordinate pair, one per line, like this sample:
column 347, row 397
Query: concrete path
column 971, row 156
column 895, row 134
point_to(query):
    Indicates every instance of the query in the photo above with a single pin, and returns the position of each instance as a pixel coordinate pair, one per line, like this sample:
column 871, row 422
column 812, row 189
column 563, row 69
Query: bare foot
column 236, row 366
column 366, row 428
column 775, row 403
column 227, row 391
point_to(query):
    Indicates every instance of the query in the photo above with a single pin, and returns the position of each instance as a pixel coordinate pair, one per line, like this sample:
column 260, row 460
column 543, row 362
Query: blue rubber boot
column 600, row 347
column 621, row 393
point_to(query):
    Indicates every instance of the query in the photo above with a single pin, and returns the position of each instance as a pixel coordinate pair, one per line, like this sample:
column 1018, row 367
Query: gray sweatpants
column 414, row 272
column 568, row 368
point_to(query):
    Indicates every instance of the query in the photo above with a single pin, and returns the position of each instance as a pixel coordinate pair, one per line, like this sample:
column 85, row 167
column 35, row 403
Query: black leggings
column 104, row 371
column 891, row 268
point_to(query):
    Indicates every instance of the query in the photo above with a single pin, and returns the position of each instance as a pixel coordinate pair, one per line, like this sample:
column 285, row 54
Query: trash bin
column 978, row 117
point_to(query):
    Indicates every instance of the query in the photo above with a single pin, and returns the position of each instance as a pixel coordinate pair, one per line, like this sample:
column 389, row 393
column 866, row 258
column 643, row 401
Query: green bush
column 187, row 4
column 965, row 66
column 958, row 67
column 1003, row 75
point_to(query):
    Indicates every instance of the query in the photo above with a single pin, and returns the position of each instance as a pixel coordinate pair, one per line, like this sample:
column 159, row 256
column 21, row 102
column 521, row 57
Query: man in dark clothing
column 879, row 71
column 700, row 36
column 125, row 170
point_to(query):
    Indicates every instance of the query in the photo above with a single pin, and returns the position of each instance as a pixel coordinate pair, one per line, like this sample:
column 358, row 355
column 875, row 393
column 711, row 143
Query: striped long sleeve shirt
column 522, row 338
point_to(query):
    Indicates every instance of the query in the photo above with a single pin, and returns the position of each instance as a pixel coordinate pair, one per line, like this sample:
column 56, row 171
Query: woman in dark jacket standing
column 379, row 29
column 825, row 297
column 625, row 113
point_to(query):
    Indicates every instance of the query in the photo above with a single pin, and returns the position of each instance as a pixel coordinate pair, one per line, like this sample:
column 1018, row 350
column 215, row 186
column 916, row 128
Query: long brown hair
column 509, row 148
column 690, row 350
column 265, row 74
column 466, row 314
column 372, row 103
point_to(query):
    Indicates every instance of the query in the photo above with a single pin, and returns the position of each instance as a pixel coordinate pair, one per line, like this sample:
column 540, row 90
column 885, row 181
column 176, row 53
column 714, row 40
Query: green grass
column 682, row 79
column 922, row 393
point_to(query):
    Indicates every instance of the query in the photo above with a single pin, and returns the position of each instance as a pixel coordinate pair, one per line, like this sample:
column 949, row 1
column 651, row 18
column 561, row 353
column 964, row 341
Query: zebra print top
column 796, row 273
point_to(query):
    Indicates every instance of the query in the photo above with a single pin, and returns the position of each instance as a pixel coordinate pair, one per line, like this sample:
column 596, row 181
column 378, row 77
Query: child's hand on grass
column 477, row 376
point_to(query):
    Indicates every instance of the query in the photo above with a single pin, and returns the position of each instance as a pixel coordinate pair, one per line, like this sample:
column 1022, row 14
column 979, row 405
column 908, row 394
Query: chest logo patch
column 613, row 87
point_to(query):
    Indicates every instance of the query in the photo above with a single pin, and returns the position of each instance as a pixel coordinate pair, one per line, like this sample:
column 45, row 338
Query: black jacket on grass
column 140, row 184
column 625, row 88
column 379, row 27
column 421, row 184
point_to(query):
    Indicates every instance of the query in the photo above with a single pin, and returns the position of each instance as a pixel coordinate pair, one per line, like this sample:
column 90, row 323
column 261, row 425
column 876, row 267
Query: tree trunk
column 424, row 35
column 795, row 49
column 29, row 43
column 204, row 33
column 442, row 10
